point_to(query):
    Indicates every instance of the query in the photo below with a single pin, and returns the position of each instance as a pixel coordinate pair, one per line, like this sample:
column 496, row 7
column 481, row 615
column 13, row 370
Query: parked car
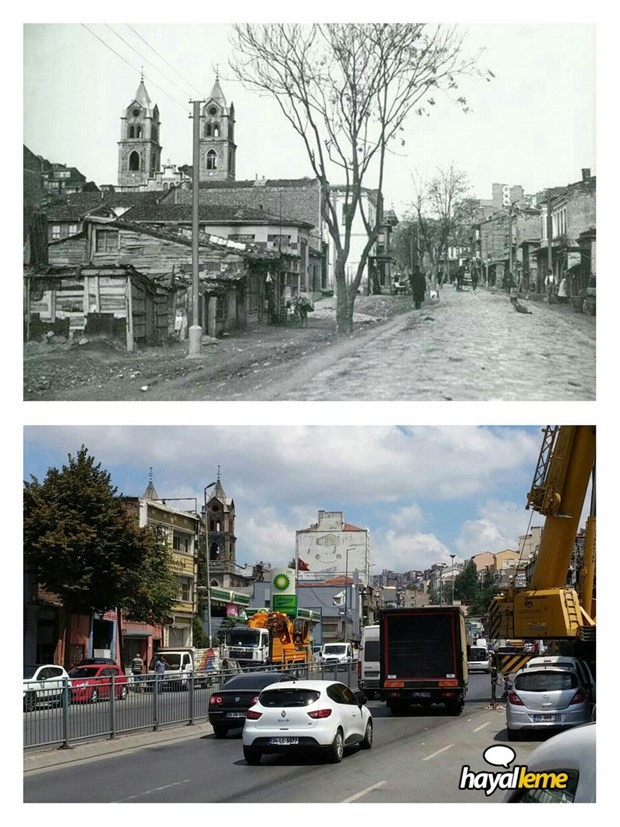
column 546, row 698
column 90, row 661
column 477, row 659
column 92, row 682
column 307, row 716
column 572, row 752
column 228, row 706
column 566, row 662
column 43, row 684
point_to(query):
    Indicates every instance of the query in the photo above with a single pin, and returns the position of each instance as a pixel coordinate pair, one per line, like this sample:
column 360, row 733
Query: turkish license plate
column 235, row 714
column 420, row 694
column 278, row 742
column 541, row 719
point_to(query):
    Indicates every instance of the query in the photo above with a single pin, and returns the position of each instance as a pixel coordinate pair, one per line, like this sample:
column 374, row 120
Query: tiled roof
column 207, row 213
column 260, row 182
column 77, row 204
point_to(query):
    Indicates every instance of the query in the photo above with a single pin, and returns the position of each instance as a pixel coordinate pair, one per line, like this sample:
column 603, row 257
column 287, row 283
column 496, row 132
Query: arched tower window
column 154, row 133
column 131, row 132
column 211, row 160
column 134, row 162
column 216, row 130
column 138, row 131
column 208, row 130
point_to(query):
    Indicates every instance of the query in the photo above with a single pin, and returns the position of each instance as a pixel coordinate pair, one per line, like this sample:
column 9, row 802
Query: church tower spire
column 139, row 152
column 217, row 137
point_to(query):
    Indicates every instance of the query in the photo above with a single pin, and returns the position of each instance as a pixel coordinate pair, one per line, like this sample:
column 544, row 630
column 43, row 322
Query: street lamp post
column 452, row 556
column 209, row 635
column 346, row 589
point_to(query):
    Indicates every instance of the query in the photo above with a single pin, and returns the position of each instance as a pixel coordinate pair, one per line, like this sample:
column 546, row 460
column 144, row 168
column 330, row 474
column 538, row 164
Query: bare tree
column 346, row 90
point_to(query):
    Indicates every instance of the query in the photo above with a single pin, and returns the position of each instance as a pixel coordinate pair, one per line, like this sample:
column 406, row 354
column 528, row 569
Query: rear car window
column 371, row 650
column 289, row 697
column 478, row 654
column 545, row 681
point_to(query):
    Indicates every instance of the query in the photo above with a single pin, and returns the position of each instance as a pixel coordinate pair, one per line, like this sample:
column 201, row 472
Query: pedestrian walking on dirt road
column 550, row 287
column 418, row 286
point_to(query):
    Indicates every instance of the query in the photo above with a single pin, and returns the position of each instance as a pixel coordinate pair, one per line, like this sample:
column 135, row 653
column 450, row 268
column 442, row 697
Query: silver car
column 547, row 698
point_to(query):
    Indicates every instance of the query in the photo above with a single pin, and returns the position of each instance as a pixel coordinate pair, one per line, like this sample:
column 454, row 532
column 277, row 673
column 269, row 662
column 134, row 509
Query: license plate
column 539, row 719
column 235, row 714
column 277, row 742
column 420, row 694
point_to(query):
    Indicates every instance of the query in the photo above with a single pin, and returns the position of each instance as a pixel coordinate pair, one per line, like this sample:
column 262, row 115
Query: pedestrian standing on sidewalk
column 493, row 673
column 418, row 286
column 563, row 291
column 160, row 669
column 550, row 287
column 137, row 665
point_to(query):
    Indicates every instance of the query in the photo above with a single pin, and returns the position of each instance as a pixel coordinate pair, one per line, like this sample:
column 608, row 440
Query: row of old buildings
column 117, row 259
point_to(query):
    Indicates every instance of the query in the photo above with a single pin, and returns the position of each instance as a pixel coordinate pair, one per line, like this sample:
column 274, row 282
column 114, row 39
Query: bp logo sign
column 281, row 582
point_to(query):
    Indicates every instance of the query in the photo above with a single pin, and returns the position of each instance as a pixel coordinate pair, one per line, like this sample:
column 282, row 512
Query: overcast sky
column 533, row 125
column 424, row 493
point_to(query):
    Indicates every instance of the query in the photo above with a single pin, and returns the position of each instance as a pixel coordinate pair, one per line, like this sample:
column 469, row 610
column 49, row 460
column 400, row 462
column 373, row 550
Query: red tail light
column 216, row 699
column 320, row 713
column 579, row 697
column 514, row 699
column 253, row 715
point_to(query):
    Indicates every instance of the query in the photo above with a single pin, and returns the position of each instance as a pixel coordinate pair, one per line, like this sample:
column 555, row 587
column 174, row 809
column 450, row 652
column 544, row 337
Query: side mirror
column 362, row 698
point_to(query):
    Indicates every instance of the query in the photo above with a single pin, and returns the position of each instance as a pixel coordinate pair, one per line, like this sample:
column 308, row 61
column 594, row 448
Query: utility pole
column 549, row 232
column 195, row 330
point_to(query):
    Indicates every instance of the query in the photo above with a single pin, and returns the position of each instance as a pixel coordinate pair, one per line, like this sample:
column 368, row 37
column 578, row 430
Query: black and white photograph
column 283, row 211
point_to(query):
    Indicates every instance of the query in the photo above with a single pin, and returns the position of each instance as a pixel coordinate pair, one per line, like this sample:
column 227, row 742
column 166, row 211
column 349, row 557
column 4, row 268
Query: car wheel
column 252, row 756
column 30, row 702
column 123, row 693
column 366, row 742
column 336, row 751
column 94, row 696
column 220, row 731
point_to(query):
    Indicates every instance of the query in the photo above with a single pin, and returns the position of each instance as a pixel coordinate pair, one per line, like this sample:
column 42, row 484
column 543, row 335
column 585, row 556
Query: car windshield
column 242, row 637
column 335, row 649
column 29, row 671
column 289, row 697
column 83, row 672
column 545, row 681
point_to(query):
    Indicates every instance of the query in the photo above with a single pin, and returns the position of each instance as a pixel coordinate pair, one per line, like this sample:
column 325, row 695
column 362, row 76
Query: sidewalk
column 87, row 750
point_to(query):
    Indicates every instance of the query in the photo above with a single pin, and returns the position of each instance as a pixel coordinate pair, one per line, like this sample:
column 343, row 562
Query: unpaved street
column 468, row 346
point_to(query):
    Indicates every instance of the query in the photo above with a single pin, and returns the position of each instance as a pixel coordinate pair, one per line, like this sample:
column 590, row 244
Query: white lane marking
column 362, row 792
column 482, row 726
column 443, row 749
column 154, row 790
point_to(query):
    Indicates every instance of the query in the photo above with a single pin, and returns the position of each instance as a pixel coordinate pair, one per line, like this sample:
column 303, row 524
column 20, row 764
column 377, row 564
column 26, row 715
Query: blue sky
column 423, row 492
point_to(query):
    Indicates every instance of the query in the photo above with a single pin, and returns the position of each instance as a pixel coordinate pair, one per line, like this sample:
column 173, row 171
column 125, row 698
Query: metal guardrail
column 125, row 704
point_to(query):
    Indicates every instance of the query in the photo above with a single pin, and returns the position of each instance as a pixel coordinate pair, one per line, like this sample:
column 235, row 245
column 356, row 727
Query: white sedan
column 305, row 716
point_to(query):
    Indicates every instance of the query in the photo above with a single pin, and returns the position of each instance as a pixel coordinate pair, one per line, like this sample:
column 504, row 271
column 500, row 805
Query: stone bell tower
column 221, row 537
column 217, row 137
column 139, row 152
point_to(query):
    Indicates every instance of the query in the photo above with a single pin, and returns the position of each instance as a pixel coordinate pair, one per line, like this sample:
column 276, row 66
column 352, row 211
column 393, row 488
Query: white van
column 368, row 666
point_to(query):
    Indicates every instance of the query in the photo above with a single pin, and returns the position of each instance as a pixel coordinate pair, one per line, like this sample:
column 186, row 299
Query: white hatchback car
column 546, row 698
column 44, row 684
column 303, row 716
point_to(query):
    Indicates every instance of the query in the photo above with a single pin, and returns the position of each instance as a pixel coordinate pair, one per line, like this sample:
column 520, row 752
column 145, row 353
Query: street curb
column 85, row 751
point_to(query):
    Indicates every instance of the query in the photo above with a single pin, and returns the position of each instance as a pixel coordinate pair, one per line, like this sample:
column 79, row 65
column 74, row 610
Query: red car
column 94, row 681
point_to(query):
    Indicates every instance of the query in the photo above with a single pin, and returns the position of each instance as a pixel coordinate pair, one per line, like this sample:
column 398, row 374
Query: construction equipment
column 548, row 608
column 269, row 638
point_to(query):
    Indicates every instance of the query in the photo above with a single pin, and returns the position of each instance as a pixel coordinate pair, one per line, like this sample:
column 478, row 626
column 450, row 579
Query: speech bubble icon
column 499, row 755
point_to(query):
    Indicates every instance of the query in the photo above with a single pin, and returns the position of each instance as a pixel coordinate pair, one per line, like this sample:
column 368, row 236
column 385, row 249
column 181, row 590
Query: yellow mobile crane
column 548, row 608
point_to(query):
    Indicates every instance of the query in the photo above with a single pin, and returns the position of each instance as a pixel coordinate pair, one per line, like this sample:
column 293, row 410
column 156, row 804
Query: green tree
column 488, row 590
column 81, row 543
column 347, row 90
column 467, row 584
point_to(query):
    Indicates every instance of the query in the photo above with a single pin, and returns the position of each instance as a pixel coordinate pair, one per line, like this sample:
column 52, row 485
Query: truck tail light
column 514, row 699
column 320, row 713
column 359, row 670
column 253, row 715
column 579, row 697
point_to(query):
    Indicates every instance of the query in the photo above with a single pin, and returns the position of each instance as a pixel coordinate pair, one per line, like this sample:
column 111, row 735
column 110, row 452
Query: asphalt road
column 414, row 759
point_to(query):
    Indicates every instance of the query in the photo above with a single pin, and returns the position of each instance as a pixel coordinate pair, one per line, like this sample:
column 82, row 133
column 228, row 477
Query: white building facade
column 332, row 547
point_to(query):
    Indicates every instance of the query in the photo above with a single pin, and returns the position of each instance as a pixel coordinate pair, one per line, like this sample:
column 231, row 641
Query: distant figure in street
column 494, row 673
column 160, row 668
column 418, row 286
column 550, row 286
column 136, row 670
column 563, row 291
column 460, row 278
column 474, row 278
column 514, row 301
